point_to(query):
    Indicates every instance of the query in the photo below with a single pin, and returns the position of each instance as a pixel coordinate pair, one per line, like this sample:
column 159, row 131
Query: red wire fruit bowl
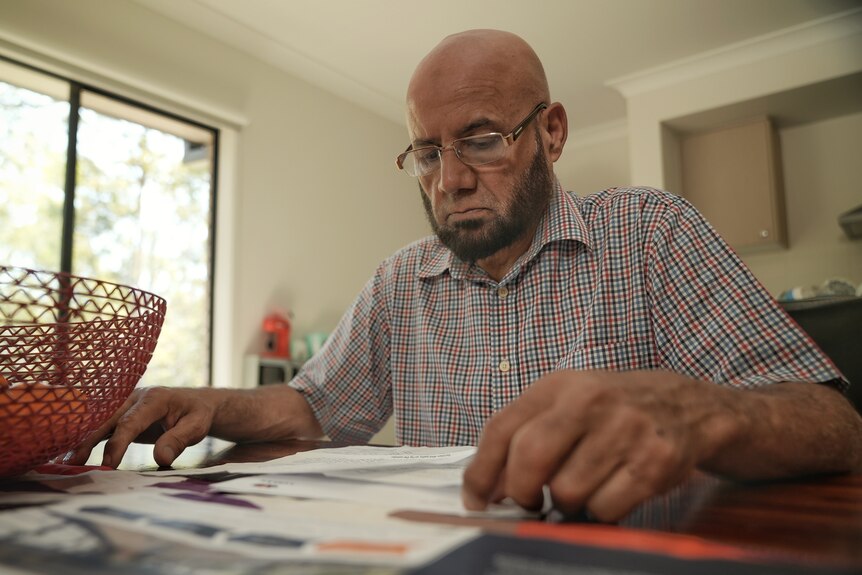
column 72, row 349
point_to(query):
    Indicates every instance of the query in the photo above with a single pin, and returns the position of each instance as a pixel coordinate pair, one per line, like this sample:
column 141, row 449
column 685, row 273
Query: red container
column 277, row 329
column 72, row 349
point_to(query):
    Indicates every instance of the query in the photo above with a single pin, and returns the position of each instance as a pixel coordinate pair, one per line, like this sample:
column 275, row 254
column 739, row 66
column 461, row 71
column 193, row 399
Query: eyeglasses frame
column 508, row 140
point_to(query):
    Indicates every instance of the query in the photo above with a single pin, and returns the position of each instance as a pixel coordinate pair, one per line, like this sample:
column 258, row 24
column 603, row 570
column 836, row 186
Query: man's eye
column 427, row 156
column 479, row 144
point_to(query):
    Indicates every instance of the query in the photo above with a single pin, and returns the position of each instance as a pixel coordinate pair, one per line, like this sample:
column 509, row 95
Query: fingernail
column 472, row 502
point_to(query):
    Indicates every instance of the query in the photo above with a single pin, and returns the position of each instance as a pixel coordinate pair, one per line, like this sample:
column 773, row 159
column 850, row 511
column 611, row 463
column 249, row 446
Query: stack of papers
column 397, row 478
column 326, row 505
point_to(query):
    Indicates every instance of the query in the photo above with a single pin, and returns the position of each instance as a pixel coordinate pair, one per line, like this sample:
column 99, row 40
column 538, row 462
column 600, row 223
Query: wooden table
column 817, row 517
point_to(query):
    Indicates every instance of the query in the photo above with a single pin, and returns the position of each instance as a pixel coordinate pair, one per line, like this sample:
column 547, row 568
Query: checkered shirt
column 627, row 278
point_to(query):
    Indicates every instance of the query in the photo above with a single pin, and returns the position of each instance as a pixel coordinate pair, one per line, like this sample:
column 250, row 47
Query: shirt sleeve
column 347, row 383
column 712, row 319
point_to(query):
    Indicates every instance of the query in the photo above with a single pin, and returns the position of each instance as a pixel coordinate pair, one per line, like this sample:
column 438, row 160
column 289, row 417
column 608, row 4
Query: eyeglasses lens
column 473, row 151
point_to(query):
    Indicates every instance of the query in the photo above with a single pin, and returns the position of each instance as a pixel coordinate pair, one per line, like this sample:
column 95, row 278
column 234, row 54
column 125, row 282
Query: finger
column 654, row 469
column 618, row 495
column 81, row 452
column 149, row 408
column 603, row 449
column 189, row 429
column 482, row 478
column 583, row 472
column 537, row 450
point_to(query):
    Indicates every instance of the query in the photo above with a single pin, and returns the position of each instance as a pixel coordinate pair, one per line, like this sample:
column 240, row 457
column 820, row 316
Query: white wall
column 310, row 199
column 821, row 170
column 822, row 175
column 822, row 167
column 744, row 72
column 595, row 159
column 821, row 159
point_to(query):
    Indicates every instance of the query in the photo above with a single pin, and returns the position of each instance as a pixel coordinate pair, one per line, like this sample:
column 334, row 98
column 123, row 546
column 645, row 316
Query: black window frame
column 68, row 225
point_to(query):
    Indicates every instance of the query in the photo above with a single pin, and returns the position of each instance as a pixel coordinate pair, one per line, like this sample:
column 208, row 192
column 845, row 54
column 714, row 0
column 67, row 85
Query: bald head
column 482, row 62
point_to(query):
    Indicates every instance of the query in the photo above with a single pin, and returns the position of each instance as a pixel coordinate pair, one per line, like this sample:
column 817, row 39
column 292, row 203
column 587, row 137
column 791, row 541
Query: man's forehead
column 470, row 77
column 454, row 118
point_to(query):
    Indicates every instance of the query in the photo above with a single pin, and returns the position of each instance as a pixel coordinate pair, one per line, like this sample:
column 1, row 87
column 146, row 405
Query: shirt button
column 503, row 292
column 504, row 365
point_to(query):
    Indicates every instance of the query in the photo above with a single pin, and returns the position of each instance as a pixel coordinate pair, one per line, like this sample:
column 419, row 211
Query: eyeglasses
column 472, row 150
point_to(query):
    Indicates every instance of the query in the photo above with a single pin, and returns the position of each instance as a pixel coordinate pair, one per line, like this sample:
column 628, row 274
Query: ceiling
column 365, row 50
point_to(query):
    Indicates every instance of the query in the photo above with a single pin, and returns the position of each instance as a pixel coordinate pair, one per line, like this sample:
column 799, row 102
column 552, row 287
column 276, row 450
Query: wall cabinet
column 732, row 174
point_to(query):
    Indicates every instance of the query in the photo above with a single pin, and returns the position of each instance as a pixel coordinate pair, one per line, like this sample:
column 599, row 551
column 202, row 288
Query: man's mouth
column 467, row 214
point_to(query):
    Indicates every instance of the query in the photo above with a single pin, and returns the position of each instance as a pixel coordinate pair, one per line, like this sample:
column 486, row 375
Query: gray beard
column 531, row 195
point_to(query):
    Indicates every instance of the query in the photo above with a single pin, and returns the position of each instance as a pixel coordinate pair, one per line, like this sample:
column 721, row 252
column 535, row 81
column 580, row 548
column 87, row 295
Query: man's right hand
column 174, row 418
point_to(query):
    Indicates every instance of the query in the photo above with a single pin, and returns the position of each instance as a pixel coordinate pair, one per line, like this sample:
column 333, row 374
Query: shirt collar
column 562, row 222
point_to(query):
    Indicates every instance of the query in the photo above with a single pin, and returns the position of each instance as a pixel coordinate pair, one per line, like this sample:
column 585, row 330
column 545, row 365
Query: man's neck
column 501, row 262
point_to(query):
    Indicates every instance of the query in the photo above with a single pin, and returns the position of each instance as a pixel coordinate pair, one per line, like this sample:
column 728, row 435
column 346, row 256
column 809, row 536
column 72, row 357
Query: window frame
column 76, row 88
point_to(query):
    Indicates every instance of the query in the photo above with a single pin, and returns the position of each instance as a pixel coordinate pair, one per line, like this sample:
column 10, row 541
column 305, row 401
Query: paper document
column 442, row 500
column 399, row 479
column 295, row 532
column 340, row 459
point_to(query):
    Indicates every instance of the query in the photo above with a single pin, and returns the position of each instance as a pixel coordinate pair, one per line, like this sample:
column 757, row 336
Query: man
column 601, row 346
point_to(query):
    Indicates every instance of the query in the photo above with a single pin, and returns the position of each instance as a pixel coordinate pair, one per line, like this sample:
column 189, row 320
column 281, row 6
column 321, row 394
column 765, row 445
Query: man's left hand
column 600, row 440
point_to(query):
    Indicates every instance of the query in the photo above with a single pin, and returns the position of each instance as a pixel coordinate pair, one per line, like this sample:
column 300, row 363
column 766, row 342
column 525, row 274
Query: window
column 100, row 186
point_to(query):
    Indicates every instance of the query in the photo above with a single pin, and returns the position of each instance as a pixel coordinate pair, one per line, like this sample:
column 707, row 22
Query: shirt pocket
column 618, row 356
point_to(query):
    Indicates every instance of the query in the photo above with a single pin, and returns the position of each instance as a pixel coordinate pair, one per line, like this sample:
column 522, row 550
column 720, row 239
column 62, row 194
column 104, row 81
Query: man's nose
column 455, row 175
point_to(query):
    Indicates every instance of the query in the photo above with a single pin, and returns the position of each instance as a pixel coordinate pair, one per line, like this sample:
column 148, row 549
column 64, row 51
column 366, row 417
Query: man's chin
column 470, row 225
column 465, row 232
column 468, row 245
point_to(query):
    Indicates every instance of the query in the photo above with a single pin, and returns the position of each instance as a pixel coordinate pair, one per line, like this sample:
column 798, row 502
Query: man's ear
column 557, row 126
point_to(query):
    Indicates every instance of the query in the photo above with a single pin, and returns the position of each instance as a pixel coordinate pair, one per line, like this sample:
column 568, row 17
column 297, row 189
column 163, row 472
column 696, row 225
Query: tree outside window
column 143, row 203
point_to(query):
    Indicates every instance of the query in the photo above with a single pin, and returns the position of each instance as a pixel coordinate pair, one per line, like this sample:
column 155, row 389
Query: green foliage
column 33, row 139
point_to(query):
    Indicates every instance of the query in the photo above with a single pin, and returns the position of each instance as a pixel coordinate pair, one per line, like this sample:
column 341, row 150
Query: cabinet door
column 733, row 176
